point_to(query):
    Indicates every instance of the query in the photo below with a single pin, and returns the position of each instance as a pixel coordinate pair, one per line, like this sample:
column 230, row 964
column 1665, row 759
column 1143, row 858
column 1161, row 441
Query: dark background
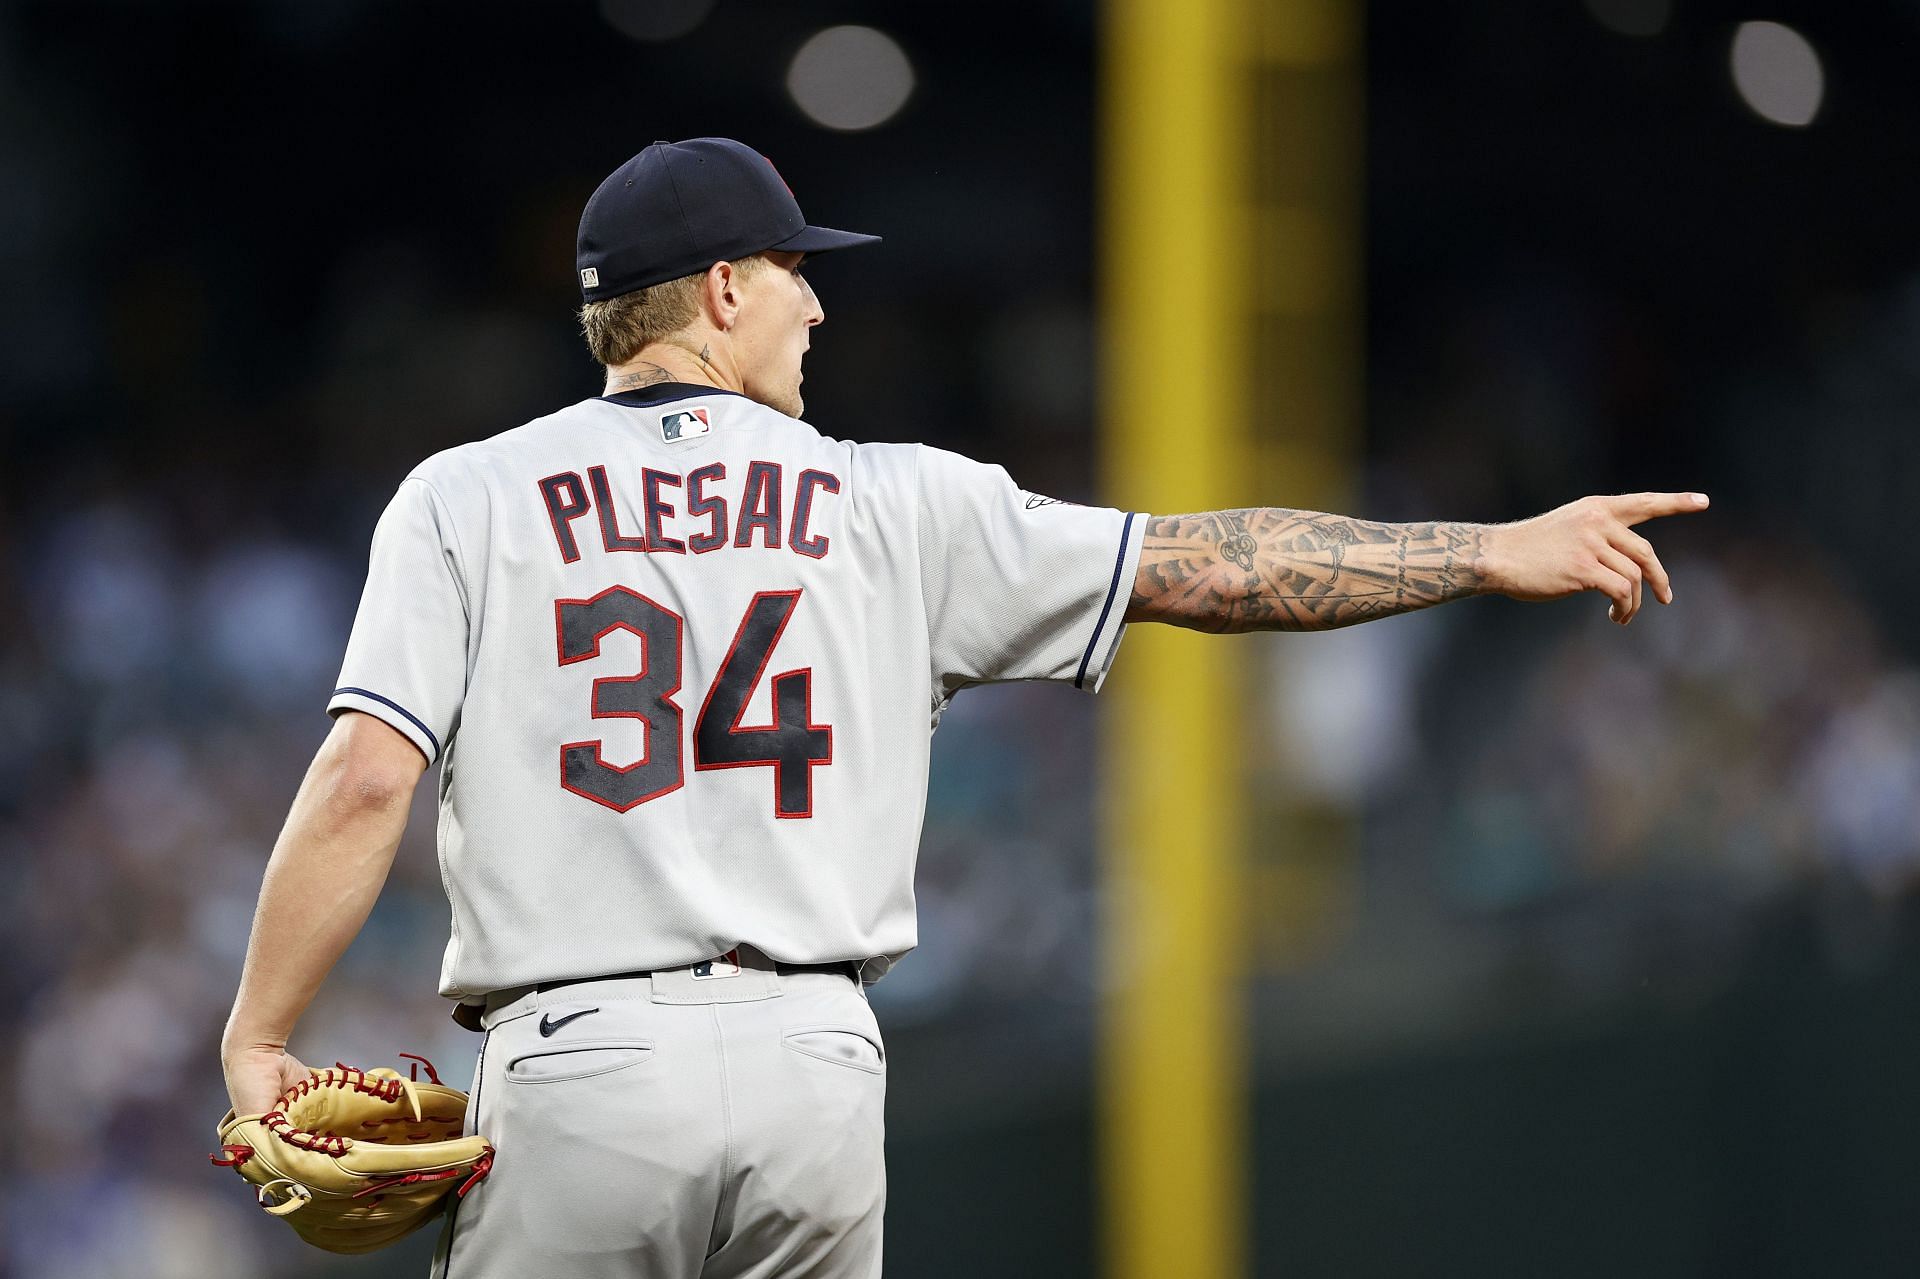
column 1624, row 975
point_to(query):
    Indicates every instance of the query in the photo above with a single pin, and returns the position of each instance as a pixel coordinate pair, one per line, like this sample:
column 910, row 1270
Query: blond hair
column 619, row 328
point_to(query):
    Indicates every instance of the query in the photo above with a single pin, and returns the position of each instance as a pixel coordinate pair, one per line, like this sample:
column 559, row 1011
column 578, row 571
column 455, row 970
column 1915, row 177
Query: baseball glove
column 358, row 1192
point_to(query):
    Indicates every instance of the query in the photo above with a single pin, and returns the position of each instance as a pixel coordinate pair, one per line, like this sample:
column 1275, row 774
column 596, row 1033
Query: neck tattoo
column 645, row 375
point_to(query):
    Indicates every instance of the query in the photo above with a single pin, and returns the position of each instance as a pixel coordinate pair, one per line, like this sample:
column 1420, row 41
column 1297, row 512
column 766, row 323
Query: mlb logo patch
column 684, row 424
column 728, row 965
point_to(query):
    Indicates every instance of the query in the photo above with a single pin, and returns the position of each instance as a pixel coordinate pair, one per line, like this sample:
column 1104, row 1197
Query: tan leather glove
column 355, row 1159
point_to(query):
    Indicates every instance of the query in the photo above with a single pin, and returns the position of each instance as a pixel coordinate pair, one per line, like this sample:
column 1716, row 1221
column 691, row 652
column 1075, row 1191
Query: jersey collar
column 646, row 397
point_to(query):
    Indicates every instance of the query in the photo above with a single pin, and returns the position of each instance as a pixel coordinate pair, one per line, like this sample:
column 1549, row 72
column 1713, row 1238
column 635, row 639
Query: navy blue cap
column 678, row 207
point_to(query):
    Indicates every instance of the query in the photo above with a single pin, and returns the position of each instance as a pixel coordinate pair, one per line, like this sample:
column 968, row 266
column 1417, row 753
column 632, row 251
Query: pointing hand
column 1588, row 545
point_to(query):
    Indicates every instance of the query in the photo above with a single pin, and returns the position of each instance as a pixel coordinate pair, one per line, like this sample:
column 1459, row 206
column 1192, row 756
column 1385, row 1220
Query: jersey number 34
column 791, row 745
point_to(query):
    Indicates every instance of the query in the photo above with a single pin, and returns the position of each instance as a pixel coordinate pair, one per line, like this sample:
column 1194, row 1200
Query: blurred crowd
column 1756, row 735
column 1557, row 817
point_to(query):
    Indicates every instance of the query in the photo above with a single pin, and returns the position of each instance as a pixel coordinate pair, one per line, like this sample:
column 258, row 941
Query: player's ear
column 722, row 295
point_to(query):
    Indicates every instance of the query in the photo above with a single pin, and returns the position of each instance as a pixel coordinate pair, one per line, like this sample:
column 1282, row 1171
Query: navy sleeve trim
column 1113, row 589
column 411, row 717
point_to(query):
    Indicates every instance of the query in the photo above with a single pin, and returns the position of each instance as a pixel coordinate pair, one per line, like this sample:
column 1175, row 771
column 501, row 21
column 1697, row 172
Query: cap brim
column 820, row 239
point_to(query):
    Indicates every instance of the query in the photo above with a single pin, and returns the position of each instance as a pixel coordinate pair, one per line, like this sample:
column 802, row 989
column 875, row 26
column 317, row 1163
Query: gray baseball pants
column 719, row 1121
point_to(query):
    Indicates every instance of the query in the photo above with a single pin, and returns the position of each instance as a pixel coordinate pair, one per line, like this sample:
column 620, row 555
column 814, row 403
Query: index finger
column 1632, row 508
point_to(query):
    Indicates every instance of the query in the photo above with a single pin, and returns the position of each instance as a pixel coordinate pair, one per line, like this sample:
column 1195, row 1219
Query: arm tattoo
column 1269, row 569
column 645, row 375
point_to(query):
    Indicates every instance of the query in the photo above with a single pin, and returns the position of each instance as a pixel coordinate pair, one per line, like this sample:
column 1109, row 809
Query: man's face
column 770, row 335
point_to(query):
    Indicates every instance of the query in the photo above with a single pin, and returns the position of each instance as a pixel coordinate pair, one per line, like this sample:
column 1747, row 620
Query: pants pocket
column 840, row 1045
column 550, row 1064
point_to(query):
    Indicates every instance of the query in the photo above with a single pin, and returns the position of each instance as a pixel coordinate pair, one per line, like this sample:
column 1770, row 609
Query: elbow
column 362, row 790
column 1160, row 606
column 352, row 788
column 367, row 768
column 1210, row 615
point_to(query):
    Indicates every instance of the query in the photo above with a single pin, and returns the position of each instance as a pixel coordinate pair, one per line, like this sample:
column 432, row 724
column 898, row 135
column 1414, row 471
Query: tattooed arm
column 1271, row 569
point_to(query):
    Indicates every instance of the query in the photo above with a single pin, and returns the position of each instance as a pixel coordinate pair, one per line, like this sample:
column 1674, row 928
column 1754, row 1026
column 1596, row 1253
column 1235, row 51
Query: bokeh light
column 1632, row 17
column 1777, row 72
column 850, row 78
column 655, row 20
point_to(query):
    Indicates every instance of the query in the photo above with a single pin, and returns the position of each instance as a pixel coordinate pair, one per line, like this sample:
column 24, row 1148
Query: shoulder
column 942, row 473
column 463, row 471
column 911, row 461
column 515, row 443
column 872, row 465
column 922, row 474
column 882, row 476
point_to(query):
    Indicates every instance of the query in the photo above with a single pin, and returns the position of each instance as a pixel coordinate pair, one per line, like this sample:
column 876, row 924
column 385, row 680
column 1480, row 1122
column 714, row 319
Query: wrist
column 1490, row 560
column 241, row 1042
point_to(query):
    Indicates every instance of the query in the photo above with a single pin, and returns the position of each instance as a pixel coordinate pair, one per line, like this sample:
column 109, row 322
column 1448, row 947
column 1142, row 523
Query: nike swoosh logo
column 548, row 1025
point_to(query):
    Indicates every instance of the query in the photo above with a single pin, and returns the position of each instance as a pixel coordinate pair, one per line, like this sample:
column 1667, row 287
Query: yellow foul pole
column 1174, row 261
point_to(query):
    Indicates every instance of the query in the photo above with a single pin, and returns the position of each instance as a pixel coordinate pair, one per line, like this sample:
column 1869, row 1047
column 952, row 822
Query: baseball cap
column 679, row 207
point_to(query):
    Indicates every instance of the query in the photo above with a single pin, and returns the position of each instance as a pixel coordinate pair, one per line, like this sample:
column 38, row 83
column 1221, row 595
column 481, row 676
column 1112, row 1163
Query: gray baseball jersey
column 681, row 656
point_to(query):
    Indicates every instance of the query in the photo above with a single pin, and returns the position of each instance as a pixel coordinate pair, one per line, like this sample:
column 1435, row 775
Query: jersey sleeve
column 407, row 658
column 1016, row 585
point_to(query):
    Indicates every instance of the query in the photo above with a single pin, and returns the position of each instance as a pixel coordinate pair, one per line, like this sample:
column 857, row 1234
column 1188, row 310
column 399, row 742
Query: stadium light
column 850, row 78
column 1632, row 17
column 1777, row 73
column 655, row 21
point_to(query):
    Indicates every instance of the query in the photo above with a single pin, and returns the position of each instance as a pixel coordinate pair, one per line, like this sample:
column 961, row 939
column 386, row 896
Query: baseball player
column 680, row 656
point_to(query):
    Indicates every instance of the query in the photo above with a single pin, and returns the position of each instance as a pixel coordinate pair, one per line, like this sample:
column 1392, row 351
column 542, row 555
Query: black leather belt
column 467, row 1015
column 848, row 968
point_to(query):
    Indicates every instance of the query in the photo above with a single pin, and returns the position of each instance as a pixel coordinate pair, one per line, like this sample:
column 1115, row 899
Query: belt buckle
column 727, row 965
